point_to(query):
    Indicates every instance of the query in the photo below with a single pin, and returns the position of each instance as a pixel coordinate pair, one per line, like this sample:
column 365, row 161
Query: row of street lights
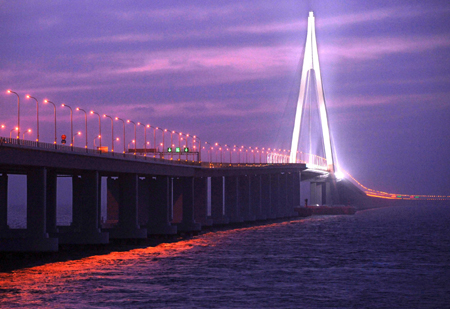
column 99, row 122
column 195, row 139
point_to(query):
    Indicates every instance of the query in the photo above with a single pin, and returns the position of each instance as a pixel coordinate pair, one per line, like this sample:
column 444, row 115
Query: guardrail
column 72, row 149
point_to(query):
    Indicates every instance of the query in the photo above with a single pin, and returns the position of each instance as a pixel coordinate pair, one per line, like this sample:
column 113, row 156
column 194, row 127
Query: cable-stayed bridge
column 163, row 182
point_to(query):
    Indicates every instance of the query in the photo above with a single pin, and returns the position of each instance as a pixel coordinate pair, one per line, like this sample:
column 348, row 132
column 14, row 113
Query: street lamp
column 162, row 140
column 99, row 128
column 229, row 149
column 85, row 125
column 210, row 153
column 123, row 124
column 79, row 134
column 71, row 122
column 199, row 148
column 135, row 141
column 16, row 128
column 18, row 113
column 112, row 132
column 221, row 152
column 145, row 137
column 179, row 145
column 27, row 131
column 37, row 116
column 54, row 113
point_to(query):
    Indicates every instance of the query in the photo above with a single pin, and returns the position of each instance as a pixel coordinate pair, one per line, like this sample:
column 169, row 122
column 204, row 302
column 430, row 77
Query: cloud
column 360, row 49
column 430, row 99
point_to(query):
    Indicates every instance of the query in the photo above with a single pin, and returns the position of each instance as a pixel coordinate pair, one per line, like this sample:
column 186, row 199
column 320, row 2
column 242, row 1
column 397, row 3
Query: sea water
column 397, row 257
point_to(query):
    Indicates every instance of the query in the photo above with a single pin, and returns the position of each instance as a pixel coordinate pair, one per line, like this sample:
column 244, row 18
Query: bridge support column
column 112, row 202
column 127, row 226
column 201, row 214
column 266, row 196
column 283, row 195
column 256, row 197
column 327, row 194
column 86, row 216
column 159, row 207
column 275, row 195
column 316, row 193
column 188, row 223
column 245, row 198
column 51, row 202
column 143, row 200
column 296, row 198
column 218, row 201
column 35, row 237
column 232, row 199
column 3, row 203
column 290, row 194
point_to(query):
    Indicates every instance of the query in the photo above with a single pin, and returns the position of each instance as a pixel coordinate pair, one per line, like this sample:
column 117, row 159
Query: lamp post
column 16, row 128
column 78, row 133
column 171, row 143
column 99, row 128
column 54, row 114
column 18, row 113
column 162, row 131
column 123, row 124
column 199, row 148
column 71, row 123
column 37, row 116
column 221, row 152
column 179, row 145
column 23, row 135
column 210, row 153
column 186, row 146
column 135, row 141
column 229, row 149
column 85, row 125
column 112, row 131
column 145, row 137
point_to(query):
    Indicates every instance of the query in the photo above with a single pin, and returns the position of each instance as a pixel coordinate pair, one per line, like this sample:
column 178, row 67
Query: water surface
column 396, row 257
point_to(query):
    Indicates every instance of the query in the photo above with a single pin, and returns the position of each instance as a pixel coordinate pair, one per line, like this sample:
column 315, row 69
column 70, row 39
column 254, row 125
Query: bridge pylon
column 311, row 67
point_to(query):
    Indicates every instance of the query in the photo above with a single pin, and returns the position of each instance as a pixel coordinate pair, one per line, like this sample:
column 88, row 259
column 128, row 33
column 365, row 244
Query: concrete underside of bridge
column 143, row 198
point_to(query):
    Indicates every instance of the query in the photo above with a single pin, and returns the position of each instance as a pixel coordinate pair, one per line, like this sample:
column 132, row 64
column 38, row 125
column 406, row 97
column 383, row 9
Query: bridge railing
column 68, row 148
column 309, row 159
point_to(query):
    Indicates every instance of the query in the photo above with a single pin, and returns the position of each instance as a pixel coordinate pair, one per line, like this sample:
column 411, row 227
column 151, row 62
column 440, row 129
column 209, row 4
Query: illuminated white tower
column 311, row 66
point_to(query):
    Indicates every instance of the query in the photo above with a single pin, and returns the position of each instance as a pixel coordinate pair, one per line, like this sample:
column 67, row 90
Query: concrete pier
column 3, row 203
column 127, row 226
column 51, row 202
column 266, row 196
column 159, row 207
column 85, row 227
column 255, row 189
column 232, row 208
column 245, row 199
column 35, row 236
column 188, row 223
column 202, row 211
column 218, row 214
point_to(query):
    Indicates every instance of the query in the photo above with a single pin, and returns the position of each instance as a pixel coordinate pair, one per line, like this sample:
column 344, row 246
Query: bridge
column 165, row 187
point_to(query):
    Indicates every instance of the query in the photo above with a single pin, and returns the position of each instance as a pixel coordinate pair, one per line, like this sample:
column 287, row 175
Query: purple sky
column 228, row 72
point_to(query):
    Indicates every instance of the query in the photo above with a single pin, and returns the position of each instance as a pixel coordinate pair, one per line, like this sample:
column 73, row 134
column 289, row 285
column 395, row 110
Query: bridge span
column 147, row 196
